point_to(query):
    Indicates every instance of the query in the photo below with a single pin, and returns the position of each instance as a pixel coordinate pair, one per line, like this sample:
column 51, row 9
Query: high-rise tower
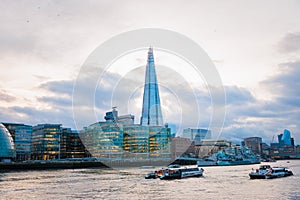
column 151, row 113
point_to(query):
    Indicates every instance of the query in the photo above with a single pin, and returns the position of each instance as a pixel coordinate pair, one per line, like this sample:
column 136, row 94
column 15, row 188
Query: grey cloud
column 237, row 95
column 265, row 118
column 290, row 43
column 285, row 85
column 57, row 101
column 59, row 87
column 4, row 96
column 34, row 116
column 237, row 133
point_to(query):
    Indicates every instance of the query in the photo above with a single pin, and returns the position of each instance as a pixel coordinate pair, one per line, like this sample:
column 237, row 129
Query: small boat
column 268, row 172
column 151, row 175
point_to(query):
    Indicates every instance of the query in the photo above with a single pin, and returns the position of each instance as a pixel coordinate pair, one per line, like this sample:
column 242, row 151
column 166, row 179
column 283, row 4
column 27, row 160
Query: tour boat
column 175, row 172
column 268, row 172
column 182, row 173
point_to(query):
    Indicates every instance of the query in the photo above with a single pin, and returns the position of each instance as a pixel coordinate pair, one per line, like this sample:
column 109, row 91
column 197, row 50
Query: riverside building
column 45, row 141
column 52, row 141
column 21, row 135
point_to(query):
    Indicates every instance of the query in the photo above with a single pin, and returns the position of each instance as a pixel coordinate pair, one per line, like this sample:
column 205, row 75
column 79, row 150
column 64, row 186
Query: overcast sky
column 255, row 46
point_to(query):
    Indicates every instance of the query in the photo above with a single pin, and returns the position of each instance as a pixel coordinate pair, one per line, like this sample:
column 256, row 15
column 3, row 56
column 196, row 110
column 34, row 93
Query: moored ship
column 244, row 161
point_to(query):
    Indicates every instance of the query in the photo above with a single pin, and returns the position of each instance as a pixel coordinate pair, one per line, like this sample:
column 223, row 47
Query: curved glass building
column 7, row 149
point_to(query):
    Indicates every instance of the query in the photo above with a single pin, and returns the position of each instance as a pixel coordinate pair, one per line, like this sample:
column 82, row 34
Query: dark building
column 254, row 143
column 71, row 145
column 280, row 140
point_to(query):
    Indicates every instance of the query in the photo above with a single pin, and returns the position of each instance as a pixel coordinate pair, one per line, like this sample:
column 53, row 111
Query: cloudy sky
column 254, row 45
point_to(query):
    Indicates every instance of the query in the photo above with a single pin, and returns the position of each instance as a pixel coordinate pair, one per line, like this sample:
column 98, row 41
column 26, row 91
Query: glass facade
column 159, row 142
column 136, row 142
column 112, row 141
column 103, row 140
column 7, row 150
column 21, row 135
column 45, row 141
column 151, row 111
column 287, row 137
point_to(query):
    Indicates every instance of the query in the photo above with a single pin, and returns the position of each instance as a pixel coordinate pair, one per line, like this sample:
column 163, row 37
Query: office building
column 21, row 135
column 117, row 141
column 45, row 141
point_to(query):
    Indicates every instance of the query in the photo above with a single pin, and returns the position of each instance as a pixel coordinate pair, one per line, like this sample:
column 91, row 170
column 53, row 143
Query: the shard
column 151, row 113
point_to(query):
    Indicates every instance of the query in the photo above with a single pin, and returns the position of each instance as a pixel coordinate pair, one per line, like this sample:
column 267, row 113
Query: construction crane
column 272, row 139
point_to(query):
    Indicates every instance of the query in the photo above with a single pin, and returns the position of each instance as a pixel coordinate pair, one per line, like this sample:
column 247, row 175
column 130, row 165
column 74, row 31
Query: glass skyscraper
column 286, row 138
column 151, row 113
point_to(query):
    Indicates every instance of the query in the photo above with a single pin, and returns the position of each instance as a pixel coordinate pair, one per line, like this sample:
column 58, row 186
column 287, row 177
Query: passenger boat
column 158, row 173
column 175, row 172
column 182, row 173
column 268, row 172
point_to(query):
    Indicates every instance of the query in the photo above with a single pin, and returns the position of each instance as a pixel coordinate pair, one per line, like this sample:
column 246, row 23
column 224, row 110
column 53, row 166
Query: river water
column 228, row 182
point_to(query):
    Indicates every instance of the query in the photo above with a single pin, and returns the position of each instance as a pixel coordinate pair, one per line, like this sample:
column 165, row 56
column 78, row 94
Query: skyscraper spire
column 151, row 113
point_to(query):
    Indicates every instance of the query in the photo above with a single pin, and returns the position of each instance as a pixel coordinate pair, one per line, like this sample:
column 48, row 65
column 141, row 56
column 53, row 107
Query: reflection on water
column 228, row 182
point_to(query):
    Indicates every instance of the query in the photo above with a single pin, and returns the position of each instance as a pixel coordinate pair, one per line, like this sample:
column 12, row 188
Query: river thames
column 228, row 182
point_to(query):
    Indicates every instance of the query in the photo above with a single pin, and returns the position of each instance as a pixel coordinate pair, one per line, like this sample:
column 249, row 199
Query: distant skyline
column 254, row 45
